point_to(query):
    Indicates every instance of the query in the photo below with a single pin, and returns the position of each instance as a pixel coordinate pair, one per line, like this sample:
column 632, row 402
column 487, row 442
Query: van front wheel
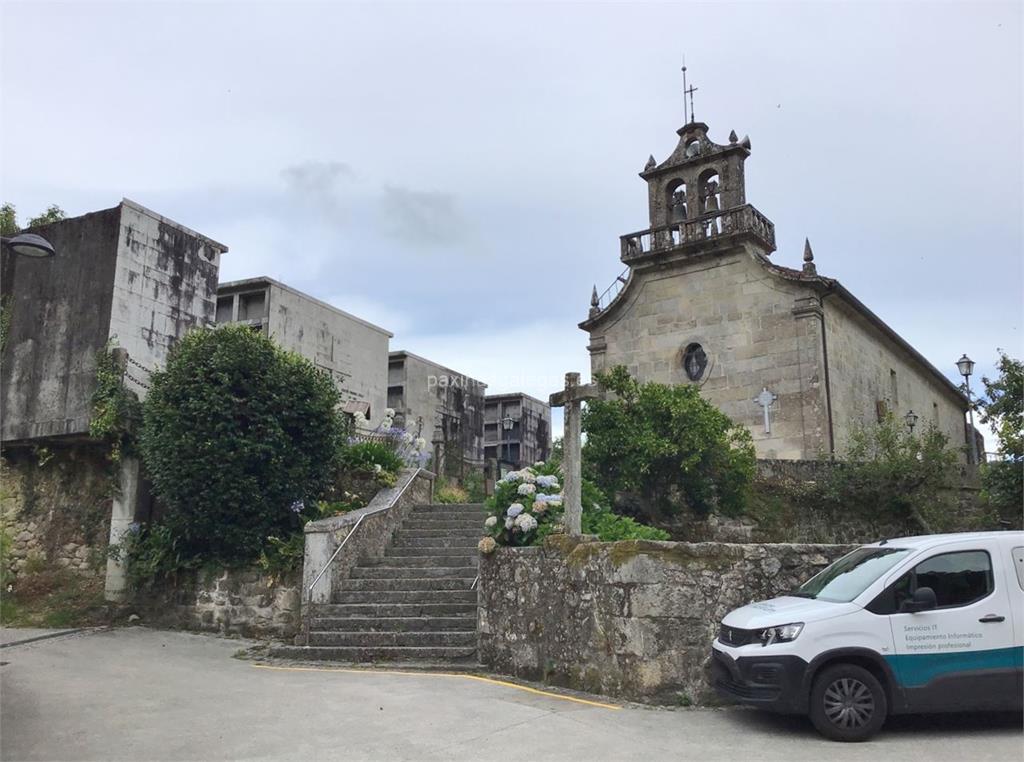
column 847, row 703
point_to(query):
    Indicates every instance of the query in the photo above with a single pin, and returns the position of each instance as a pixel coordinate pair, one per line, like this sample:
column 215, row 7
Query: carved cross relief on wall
column 766, row 399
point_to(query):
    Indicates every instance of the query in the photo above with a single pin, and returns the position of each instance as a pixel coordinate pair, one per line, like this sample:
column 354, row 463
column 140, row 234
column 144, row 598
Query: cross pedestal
column 571, row 399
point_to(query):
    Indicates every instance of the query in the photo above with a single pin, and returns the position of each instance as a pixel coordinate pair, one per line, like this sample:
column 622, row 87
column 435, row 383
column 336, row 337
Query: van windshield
column 850, row 575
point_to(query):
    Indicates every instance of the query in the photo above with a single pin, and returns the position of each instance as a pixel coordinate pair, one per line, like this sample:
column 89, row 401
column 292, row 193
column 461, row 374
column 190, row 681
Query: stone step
column 476, row 531
column 378, row 653
column 451, row 507
column 392, row 558
column 468, row 543
column 408, row 549
column 441, row 524
column 394, row 572
column 397, row 610
column 448, row 515
column 409, row 583
column 461, row 623
column 405, row 596
column 416, row 638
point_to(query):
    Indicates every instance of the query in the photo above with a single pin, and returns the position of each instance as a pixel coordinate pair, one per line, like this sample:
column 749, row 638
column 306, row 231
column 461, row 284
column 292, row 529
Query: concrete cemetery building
column 127, row 276
column 791, row 354
column 517, row 430
column 351, row 350
column 443, row 406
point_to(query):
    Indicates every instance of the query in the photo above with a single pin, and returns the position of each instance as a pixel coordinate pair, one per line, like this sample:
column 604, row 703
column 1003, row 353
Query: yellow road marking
column 464, row 676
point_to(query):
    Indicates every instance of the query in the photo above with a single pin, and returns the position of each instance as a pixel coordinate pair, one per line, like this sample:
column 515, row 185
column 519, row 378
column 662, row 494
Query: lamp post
column 966, row 367
column 507, row 424
column 911, row 420
column 29, row 245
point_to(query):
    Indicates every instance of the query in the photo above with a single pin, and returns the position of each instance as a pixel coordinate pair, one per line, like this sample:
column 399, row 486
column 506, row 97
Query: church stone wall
column 866, row 368
column 743, row 317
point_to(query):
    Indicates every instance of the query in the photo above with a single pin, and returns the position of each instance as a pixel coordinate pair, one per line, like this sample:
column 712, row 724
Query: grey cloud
column 318, row 184
column 418, row 217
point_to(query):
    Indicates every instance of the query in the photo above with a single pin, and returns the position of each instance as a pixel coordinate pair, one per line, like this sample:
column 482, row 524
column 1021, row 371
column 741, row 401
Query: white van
column 916, row 624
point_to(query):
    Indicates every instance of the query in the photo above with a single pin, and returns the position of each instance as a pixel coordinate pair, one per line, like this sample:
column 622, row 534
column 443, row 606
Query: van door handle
column 992, row 618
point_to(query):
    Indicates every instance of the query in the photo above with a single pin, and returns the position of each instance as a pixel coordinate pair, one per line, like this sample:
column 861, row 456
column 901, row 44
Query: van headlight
column 783, row 633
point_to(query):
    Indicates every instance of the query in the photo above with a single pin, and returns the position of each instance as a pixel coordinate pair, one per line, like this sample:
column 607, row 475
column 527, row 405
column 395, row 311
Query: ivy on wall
column 116, row 411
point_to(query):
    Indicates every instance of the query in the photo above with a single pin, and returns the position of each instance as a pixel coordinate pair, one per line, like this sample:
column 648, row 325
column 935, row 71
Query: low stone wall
column 55, row 508
column 379, row 521
column 244, row 602
column 631, row 619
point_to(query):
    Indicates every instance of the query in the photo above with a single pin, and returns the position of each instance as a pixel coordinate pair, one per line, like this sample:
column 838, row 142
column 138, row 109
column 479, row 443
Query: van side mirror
column 923, row 600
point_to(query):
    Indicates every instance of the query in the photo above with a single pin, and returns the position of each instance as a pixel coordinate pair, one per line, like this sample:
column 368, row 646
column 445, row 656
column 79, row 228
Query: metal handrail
column 309, row 590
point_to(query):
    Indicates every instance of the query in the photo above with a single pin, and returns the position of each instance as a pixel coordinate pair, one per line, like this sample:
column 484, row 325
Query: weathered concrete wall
column 630, row 619
column 531, row 432
column 353, row 351
column 55, row 508
column 451, row 405
column 380, row 520
column 866, row 367
column 124, row 272
column 743, row 317
column 59, row 313
column 165, row 284
column 246, row 602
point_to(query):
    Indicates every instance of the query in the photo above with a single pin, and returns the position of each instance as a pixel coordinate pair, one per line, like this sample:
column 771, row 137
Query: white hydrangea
column 491, row 521
column 526, row 489
column 527, row 476
column 547, row 482
column 510, row 477
column 407, row 438
column 389, row 412
column 509, row 523
column 420, row 444
column 526, row 522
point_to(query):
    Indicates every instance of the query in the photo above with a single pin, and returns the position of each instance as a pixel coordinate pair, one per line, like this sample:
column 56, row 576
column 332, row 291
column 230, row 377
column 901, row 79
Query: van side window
column 1018, row 565
column 957, row 579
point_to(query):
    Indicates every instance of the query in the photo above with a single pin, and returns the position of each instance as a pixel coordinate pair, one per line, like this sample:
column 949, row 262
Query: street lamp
column 507, row 423
column 911, row 419
column 966, row 367
column 29, row 245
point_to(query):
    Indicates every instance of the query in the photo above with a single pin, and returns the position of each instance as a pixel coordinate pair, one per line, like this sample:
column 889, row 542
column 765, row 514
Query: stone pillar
column 122, row 515
column 571, row 458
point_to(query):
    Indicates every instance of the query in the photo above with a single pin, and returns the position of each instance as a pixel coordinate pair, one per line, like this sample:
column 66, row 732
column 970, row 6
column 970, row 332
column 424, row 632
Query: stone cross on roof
column 571, row 399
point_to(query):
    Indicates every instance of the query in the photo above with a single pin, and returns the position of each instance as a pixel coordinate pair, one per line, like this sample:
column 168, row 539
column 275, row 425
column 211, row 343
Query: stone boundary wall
column 380, row 519
column 55, row 508
column 245, row 602
column 632, row 619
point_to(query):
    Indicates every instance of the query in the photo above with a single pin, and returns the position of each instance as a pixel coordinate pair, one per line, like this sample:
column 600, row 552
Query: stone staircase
column 417, row 603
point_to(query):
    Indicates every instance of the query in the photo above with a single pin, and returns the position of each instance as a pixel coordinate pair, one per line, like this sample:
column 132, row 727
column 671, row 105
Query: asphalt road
column 138, row 694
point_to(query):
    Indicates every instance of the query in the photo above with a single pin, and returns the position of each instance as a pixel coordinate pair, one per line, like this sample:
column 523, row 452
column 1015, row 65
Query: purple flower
column 297, row 506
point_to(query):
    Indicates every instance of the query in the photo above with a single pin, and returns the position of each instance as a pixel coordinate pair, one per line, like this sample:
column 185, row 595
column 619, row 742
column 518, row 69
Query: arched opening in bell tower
column 675, row 193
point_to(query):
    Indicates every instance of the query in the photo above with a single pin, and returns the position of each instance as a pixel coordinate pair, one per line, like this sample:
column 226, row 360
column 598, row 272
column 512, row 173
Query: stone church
column 789, row 353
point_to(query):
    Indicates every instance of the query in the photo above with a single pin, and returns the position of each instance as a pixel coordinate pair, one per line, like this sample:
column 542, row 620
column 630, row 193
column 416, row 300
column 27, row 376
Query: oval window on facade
column 695, row 362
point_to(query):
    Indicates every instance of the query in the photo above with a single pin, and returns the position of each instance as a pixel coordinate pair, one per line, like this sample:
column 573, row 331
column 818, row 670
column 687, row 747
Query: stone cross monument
column 571, row 399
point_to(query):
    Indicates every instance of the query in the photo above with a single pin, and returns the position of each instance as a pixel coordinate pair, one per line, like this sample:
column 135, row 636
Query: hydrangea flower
column 420, row 444
column 487, row 545
column 539, row 464
column 491, row 521
column 528, row 476
column 526, row 489
column 511, row 476
column 514, row 510
column 548, row 482
column 509, row 523
column 526, row 522
column 297, row 506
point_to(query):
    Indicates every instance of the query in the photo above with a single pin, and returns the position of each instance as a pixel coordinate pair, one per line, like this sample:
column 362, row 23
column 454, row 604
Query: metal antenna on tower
column 687, row 91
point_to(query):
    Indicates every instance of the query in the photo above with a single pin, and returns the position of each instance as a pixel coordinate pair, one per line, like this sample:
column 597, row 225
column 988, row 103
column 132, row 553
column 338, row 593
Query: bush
column 370, row 457
column 667, row 448
column 525, row 508
column 474, row 486
column 610, row 527
column 240, row 439
column 449, row 493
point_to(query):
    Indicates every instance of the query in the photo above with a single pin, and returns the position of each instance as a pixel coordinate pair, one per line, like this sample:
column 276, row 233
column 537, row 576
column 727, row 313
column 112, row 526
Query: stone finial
column 651, row 163
column 595, row 302
column 732, row 136
column 809, row 267
column 745, row 143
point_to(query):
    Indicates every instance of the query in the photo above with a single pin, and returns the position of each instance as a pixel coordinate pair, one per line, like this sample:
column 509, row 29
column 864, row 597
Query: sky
column 460, row 173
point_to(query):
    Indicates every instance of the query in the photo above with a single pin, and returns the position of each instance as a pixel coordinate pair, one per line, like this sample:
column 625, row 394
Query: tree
column 889, row 470
column 53, row 213
column 663, row 448
column 1003, row 408
column 240, row 439
column 9, row 218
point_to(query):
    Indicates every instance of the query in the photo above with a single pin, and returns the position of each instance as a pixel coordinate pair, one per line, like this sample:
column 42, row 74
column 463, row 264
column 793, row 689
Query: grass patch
column 54, row 598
